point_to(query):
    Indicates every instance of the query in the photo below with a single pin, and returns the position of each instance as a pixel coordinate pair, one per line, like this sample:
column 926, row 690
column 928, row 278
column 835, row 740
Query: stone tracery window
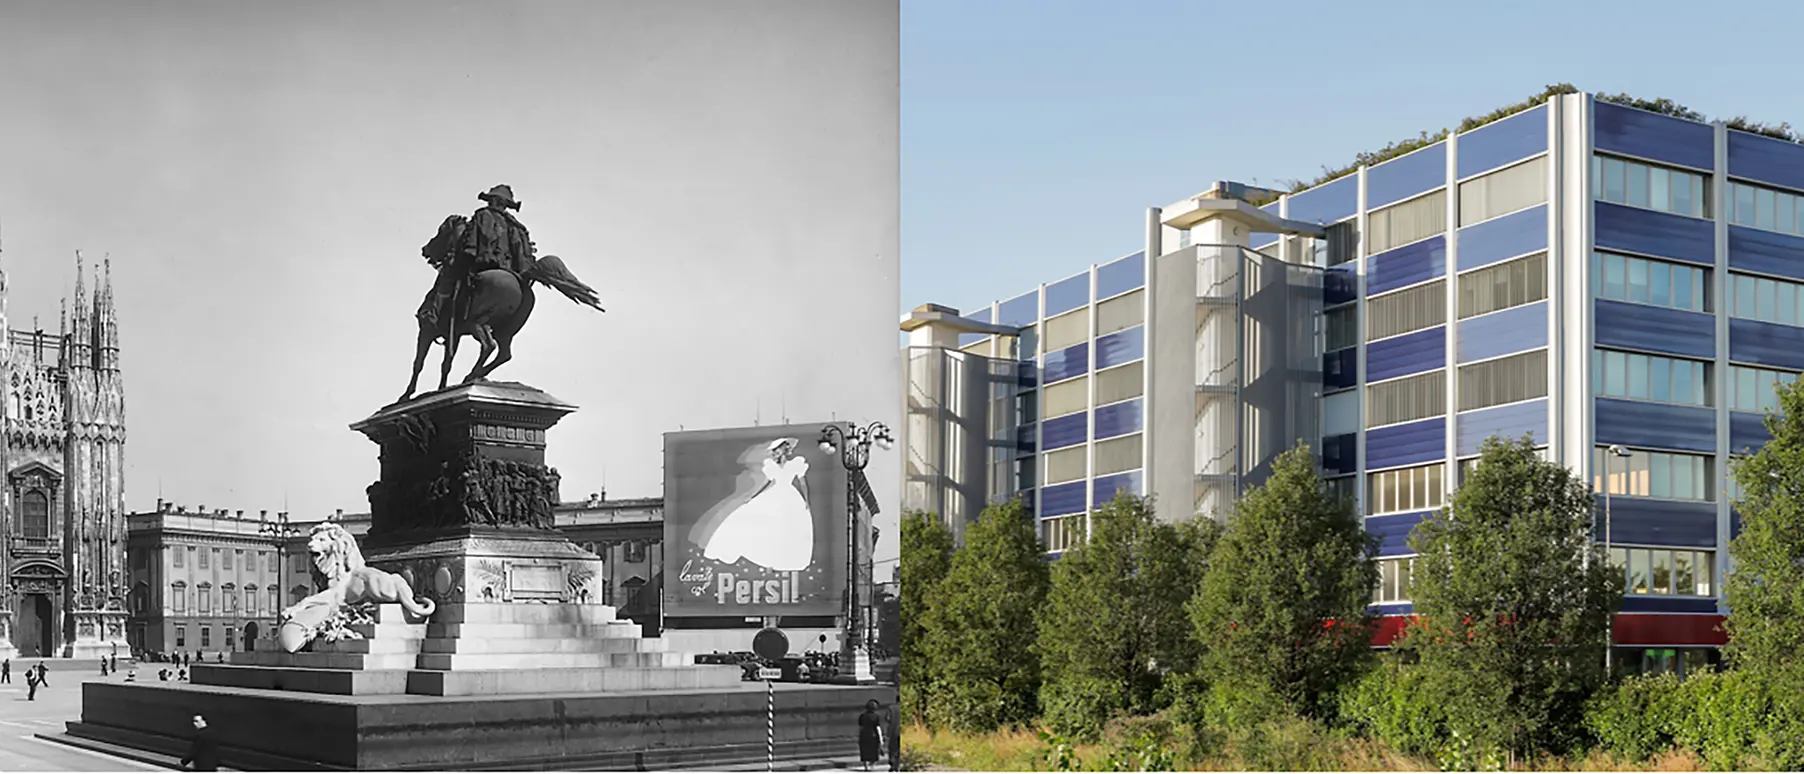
column 35, row 514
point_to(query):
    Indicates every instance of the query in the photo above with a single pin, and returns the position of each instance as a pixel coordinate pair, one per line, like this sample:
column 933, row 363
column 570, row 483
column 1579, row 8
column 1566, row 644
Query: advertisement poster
column 754, row 523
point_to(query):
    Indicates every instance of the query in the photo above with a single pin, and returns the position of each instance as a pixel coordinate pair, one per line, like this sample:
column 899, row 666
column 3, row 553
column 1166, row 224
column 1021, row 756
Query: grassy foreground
column 1290, row 747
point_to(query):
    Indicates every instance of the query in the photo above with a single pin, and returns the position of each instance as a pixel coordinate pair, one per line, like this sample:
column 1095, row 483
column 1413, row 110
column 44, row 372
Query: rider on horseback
column 486, row 273
column 495, row 239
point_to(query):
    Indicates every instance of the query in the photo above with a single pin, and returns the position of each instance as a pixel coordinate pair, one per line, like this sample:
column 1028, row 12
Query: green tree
column 1512, row 598
column 926, row 556
column 978, row 630
column 1113, row 626
column 1765, row 591
column 1281, row 612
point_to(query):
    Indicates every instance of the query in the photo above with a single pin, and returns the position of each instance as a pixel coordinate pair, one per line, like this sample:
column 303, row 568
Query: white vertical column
column 1553, row 433
column 1450, row 475
column 1090, row 409
column 1582, row 309
column 1359, row 379
column 1719, row 196
column 1149, row 293
column 1039, row 408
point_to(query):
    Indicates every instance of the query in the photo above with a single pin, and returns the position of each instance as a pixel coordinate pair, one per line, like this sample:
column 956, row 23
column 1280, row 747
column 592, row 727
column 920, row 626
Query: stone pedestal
column 515, row 668
column 99, row 634
column 463, row 514
column 7, row 649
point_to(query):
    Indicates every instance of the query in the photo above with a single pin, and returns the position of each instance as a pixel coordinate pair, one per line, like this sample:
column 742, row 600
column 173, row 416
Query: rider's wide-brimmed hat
column 501, row 193
column 782, row 442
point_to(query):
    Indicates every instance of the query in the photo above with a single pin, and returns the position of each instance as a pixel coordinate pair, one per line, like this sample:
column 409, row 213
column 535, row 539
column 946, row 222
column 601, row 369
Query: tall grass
column 1281, row 745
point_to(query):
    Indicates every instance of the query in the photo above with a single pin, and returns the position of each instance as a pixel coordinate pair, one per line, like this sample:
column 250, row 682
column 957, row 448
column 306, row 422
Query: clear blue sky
column 1036, row 134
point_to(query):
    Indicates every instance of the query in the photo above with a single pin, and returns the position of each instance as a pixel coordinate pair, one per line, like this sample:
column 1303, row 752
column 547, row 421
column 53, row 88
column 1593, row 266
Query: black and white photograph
column 455, row 386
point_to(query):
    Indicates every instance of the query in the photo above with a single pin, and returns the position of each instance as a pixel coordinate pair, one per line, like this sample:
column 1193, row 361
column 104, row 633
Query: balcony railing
column 35, row 545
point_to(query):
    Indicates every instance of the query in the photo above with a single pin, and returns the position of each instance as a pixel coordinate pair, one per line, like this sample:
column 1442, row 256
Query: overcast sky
column 263, row 175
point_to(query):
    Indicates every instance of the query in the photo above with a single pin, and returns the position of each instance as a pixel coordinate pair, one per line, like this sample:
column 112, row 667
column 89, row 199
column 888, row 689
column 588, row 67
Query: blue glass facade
column 1581, row 253
column 1089, row 336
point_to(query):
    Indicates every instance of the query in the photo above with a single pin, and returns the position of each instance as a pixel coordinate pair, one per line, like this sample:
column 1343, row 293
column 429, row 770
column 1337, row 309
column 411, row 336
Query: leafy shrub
column 1722, row 713
column 1638, row 718
column 1283, row 743
column 1079, row 708
column 1392, row 704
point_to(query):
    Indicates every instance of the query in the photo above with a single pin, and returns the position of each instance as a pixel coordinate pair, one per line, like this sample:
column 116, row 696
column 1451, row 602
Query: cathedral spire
column 80, row 334
column 106, row 321
column 4, row 326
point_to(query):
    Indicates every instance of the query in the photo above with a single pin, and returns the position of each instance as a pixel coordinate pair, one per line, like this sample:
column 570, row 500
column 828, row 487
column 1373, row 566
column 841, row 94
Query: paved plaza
column 21, row 721
column 60, row 702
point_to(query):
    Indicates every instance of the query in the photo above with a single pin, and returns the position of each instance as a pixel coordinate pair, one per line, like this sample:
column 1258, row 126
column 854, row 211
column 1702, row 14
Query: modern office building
column 1594, row 275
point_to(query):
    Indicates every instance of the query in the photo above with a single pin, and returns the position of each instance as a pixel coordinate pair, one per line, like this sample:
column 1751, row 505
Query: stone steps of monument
column 558, row 679
column 533, row 630
column 524, row 613
column 393, row 614
column 502, row 661
column 395, row 631
column 316, row 660
column 345, row 682
column 542, row 645
column 378, row 645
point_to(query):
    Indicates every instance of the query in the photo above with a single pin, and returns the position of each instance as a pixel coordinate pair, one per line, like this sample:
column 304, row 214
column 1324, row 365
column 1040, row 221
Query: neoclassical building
column 62, row 511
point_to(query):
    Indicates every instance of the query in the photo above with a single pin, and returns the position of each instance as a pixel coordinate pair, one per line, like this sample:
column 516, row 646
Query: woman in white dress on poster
column 774, row 529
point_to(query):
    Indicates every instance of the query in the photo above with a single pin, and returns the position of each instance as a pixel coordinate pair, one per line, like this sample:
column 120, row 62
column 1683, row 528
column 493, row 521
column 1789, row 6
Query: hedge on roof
column 1662, row 106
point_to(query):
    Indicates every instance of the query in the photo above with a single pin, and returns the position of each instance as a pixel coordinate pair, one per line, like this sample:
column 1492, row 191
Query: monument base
column 264, row 730
column 483, row 649
column 98, row 634
column 7, row 650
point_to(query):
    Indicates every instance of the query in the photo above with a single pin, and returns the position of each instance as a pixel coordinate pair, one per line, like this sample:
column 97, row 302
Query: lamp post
column 279, row 532
column 1610, row 622
column 853, row 445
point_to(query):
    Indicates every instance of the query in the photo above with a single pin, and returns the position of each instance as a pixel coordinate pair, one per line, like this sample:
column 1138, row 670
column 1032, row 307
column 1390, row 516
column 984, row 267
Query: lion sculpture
column 338, row 570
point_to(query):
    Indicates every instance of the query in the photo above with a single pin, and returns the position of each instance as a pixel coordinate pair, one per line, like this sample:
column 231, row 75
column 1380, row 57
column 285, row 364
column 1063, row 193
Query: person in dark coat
column 870, row 734
column 893, row 735
column 31, row 685
column 6, row 671
column 43, row 675
column 204, row 752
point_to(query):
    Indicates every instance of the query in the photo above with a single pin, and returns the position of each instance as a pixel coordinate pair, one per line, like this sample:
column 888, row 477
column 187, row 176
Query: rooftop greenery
column 1661, row 105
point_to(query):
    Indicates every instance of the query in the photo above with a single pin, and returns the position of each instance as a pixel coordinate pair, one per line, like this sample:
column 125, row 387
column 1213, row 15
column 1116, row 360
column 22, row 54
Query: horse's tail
column 552, row 271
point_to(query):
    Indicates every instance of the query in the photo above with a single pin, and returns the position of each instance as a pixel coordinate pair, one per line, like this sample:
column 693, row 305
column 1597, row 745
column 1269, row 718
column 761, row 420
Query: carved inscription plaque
column 535, row 581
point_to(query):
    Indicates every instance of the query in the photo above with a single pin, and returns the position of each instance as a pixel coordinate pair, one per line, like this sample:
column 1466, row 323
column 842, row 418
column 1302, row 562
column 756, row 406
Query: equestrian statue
column 486, row 270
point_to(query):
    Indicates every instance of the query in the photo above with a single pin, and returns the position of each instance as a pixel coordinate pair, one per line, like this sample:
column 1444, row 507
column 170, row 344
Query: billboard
column 754, row 523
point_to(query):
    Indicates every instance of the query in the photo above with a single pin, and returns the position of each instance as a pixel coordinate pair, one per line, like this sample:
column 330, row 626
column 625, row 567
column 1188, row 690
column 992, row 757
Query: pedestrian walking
column 103, row 671
column 893, row 734
column 870, row 734
column 115, row 662
column 43, row 675
column 6, row 671
column 31, row 685
column 204, row 752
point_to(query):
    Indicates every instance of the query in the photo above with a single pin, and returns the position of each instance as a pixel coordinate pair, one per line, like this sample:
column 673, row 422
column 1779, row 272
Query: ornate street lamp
column 279, row 533
column 853, row 445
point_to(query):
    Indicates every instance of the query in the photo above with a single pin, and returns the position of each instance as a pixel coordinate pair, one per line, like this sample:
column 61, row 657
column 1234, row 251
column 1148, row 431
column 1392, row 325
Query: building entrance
column 36, row 625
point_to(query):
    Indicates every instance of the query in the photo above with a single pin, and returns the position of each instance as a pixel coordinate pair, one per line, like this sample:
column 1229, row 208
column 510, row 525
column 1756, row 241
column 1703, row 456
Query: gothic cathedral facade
column 62, row 511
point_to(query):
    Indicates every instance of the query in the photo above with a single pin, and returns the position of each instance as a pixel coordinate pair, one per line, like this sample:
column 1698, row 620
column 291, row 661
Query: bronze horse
column 492, row 307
